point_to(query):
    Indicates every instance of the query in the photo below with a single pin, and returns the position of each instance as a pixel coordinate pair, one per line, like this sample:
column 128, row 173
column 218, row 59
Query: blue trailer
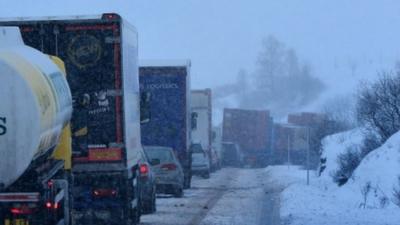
column 165, row 94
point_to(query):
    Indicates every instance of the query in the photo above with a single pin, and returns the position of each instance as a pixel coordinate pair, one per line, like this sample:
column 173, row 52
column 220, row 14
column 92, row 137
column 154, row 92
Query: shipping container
column 252, row 131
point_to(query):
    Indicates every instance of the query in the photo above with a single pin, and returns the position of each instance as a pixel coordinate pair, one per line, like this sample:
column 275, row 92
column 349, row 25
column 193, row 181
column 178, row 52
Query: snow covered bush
column 340, row 155
column 371, row 142
column 348, row 162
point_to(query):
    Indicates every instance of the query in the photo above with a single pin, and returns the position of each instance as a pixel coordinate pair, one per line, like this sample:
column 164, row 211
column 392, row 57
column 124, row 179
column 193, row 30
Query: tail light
column 49, row 205
column 144, row 169
column 21, row 211
column 170, row 166
column 105, row 193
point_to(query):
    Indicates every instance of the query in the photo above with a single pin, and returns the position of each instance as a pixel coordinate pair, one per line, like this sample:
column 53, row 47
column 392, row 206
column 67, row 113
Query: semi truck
column 165, row 99
column 201, row 120
column 100, row 56
column 252, row 131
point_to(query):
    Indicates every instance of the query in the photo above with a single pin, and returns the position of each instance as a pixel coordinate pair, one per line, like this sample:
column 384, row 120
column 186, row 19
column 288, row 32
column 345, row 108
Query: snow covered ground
column 230, row 197
column 317, row 205
column 255, row 196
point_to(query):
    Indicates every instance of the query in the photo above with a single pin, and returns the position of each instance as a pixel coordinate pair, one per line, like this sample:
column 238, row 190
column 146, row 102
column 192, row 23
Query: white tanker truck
column 36, row 107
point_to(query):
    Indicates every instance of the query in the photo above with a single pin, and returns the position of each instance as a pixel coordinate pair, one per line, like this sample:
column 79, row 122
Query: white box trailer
column 201, row 120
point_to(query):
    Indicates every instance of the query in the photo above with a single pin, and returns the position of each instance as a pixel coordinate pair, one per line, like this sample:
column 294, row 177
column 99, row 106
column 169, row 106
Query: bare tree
column 378, row 105
column 282, row 83
column 341, row 109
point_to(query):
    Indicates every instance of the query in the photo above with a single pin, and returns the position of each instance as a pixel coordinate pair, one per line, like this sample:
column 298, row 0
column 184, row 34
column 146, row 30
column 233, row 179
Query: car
column 232, row 156
column 147, row 186
column 169, row 176
column 200, row 161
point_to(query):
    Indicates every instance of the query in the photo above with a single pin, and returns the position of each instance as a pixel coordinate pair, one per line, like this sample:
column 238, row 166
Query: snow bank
column 326, row 203
column 380, row 169
column 316, row 205
column 334, row 145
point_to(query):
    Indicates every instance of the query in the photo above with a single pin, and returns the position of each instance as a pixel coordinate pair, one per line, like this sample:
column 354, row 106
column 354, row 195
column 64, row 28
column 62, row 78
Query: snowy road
column 230, row 197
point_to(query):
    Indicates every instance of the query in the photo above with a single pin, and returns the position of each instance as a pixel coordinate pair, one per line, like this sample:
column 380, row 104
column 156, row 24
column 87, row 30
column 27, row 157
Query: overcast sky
column 222, row 36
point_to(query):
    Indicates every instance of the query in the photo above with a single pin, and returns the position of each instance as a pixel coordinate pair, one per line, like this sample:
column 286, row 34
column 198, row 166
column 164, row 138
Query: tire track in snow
column 198, row 218
column 270, row 214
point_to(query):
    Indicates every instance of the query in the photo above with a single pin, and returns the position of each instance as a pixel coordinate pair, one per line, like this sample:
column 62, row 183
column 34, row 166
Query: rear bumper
column 200, row 169
column 167, row 188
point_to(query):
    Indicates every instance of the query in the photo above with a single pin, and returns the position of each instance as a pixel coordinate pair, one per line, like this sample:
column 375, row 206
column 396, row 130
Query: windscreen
column 162, row 154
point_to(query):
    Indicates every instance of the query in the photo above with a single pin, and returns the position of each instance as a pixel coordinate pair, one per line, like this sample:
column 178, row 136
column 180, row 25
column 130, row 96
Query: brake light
column 170, row 166
column 16, row 211
column 105, row 193
column 56, row 205
column 144, row 169
column 48, row 205
column 21, row 211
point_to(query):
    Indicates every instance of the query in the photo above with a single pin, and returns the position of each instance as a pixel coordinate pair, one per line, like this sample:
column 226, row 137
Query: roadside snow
column 380, row 170
column 334, row 145
column 316, row 204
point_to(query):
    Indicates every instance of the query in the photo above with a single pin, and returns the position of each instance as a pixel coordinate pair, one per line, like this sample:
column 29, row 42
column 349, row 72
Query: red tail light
column 170, row 166
column 144, row 169
column 105, row 193
column 48, row 205
column 20, row 211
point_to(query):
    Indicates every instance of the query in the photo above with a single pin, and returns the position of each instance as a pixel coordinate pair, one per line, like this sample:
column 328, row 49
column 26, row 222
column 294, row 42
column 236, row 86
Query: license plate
column 108, row 154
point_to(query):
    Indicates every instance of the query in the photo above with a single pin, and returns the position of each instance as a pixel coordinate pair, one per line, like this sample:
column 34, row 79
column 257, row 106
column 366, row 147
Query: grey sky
column 222, row 36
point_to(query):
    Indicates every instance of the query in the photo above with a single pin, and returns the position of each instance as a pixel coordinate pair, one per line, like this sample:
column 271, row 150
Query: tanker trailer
column 35, row 110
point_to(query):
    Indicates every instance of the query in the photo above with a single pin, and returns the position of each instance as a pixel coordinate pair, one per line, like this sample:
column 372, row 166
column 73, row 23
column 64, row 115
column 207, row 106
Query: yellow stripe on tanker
column 36, row 104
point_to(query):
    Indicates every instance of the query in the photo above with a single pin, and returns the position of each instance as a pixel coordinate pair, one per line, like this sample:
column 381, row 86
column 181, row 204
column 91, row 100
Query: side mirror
column 155, row 162
column 145, row 113
column 194, row 120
